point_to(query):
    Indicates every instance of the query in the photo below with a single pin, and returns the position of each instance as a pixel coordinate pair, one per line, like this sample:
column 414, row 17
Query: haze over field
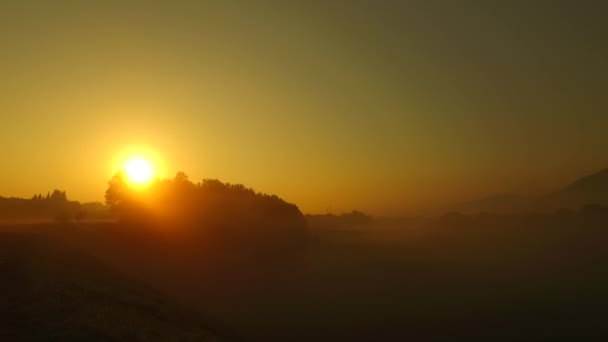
column 424, row 170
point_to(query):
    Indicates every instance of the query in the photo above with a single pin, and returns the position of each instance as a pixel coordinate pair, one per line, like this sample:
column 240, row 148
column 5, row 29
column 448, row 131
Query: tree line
column 227, row 214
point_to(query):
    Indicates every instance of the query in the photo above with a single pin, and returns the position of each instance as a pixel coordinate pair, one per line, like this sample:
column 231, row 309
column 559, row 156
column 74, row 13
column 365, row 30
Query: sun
column 139, row 171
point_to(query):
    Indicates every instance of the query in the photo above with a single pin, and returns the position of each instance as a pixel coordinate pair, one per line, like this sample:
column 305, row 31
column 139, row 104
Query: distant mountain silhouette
column 592, row 183
column 591, row 189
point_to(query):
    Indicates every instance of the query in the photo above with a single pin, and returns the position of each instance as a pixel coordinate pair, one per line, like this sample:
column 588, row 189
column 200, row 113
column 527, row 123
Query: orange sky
column 382, row 108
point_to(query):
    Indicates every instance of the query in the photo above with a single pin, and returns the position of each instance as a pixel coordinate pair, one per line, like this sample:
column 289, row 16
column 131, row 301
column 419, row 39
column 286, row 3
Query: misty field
column 489, row 278
column 383, row 283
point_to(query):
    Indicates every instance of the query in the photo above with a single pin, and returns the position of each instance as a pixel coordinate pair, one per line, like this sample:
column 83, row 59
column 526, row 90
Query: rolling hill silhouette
column 591, row 189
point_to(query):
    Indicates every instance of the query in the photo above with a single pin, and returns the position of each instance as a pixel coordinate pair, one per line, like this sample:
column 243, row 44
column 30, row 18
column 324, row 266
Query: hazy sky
column 380, row 106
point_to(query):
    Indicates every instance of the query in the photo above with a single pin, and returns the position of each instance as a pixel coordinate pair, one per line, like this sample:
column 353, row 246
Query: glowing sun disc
column 139, row 171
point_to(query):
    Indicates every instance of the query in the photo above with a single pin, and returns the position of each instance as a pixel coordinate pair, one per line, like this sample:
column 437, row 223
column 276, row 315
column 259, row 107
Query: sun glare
column 139, row 171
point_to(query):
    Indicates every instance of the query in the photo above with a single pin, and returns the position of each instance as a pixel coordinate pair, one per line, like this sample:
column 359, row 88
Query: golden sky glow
column 384, row 107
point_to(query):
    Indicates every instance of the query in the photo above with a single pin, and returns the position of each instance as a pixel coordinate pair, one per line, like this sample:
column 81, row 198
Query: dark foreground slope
column 52, row 293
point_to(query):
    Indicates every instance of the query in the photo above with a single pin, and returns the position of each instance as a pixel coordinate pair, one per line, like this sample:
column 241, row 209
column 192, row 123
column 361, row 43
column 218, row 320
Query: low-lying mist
column 249, row 266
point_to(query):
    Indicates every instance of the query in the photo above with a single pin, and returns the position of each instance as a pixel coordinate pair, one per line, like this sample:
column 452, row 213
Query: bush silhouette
column 221, row 212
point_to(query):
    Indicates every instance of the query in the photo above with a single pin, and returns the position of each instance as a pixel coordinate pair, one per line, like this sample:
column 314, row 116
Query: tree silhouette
column 54, row 205
column 58, row 196
column 231, row 213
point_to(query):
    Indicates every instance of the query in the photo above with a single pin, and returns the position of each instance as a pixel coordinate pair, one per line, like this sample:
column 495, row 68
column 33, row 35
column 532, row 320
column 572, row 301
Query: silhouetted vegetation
column 53, row 205
column 227, row 214
column 355, row 219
